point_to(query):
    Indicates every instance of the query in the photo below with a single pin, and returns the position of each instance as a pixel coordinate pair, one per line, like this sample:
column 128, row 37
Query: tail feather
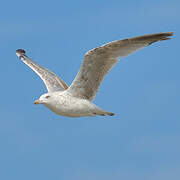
column 109, row 113
column 104, row 114
column 101, row 112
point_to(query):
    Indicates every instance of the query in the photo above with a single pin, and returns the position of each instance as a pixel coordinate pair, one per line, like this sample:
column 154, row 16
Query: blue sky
column 140, row 142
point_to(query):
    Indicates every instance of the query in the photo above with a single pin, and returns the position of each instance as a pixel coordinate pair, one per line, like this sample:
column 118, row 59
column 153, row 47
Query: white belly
column 72, row 107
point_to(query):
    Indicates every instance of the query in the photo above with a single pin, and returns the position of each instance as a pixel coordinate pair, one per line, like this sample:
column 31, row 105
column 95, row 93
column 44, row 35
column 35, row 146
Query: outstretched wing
column 97, row 62
column 52, row 82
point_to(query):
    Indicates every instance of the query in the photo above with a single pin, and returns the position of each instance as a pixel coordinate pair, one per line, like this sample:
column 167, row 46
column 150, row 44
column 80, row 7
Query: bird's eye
column 47, row 97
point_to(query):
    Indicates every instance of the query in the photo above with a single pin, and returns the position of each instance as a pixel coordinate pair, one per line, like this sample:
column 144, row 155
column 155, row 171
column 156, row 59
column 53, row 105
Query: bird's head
column 44, row 99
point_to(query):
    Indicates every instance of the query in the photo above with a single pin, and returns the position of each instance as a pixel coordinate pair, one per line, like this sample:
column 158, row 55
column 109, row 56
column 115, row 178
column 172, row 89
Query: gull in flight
column 76, row 100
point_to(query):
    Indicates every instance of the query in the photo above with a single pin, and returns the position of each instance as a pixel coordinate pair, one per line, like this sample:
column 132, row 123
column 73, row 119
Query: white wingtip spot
column 18, row 54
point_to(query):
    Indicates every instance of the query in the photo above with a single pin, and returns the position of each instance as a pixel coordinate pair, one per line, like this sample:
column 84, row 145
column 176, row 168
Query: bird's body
column 76, row 100
column 63, row 103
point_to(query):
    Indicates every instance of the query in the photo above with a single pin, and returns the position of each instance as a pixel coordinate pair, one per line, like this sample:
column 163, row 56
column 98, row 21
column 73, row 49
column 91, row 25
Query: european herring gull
column 76, row 100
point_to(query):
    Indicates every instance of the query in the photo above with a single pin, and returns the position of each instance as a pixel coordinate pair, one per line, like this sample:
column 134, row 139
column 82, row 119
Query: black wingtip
column 21, row 51
column 170, row 33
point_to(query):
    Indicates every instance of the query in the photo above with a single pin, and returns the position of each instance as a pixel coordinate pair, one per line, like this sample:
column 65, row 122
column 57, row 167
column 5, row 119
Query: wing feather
column 98, row 62
column 51, row 80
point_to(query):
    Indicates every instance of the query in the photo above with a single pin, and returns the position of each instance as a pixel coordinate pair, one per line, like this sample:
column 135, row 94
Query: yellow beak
column 37, row 102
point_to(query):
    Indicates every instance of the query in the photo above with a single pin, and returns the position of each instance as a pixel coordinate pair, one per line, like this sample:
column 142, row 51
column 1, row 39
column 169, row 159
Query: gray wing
column 97, row 62
column 52, row 81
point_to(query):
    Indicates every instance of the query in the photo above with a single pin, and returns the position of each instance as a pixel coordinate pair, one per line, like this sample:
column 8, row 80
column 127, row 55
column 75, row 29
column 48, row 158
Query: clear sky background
column 142, row 141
